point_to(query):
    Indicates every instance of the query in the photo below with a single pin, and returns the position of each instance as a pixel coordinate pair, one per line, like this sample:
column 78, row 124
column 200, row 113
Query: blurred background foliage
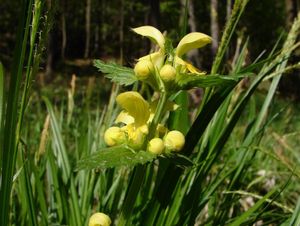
column 85, row 30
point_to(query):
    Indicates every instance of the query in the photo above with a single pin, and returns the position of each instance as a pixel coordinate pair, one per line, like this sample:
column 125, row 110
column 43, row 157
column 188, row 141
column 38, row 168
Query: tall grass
column 56, row 169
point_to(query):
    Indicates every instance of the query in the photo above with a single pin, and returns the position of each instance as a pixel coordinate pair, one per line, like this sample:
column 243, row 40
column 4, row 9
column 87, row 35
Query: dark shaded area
column 110, row 36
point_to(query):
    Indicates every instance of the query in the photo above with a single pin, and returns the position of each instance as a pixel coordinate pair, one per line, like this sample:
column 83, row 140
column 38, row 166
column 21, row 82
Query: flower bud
column 143, row 69
column 174, row 140
column 113, row 136
column 99, row 219
column 156, row 146
column 167, row 73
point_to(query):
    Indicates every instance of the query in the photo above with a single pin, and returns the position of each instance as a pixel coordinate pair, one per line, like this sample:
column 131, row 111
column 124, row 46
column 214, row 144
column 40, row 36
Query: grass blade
column 61, row 152
column 254, row 208
column 10, row 140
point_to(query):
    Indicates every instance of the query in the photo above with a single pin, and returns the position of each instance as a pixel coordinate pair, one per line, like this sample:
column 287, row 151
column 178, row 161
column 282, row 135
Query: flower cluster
column 135, row 119
column 167, row 64
column 138, row 124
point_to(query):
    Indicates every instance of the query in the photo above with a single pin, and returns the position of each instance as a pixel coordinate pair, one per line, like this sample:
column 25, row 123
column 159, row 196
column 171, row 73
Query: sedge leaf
column 117, row 73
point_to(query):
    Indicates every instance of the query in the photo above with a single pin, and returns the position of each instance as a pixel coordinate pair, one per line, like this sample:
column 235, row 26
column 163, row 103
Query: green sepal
column 116, row 73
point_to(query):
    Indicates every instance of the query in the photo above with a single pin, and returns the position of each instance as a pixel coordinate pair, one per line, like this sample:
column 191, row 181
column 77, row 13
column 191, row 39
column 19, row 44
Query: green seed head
column 167, row 73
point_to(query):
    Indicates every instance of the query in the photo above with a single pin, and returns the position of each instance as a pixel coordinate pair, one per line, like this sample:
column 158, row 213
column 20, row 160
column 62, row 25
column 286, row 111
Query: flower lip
column 135, row 105
column 152, row 33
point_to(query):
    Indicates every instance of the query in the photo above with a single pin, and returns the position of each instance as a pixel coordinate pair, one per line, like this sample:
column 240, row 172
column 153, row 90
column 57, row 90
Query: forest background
column 86, row 30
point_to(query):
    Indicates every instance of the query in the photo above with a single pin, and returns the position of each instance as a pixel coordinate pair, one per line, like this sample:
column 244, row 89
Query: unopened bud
column 143, row 69
column 113, row 136
column 174, row 140
column 99, row 219
column 167, row 73
column 156, row 146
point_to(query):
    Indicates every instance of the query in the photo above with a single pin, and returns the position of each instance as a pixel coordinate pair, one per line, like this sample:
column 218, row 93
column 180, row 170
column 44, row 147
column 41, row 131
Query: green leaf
column 117, row 73
column 295, row 218
column 114, row 157
column 2, row 104
column 242, row 218
column 180, row 160
column 60, row 150
column 188, row 81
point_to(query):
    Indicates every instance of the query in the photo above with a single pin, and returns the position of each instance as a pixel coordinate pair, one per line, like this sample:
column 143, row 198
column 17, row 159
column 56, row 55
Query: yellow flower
column 143, row 69
column 137, row 113
column 174, row 140
column 156, row 58
column 167, row 73
column 156, row 146
column 113, row 136
column 99, row 219
column 135, row 116
column 190, row 41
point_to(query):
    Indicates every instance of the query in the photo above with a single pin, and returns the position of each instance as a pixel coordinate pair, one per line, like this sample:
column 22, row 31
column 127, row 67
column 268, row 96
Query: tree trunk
column 121, row 37
column 154, row 16
column 87, row 28
column 193, row 55
column 214, row 26
column 49, row 61
column 63, row 34
column 291, row 11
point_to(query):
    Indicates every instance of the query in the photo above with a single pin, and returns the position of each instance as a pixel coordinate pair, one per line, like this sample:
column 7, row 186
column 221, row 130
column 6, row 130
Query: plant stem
column 158, row 113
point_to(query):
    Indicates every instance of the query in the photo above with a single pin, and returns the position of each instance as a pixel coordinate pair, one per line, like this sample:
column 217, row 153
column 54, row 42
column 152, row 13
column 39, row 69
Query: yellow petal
column 113, row 136
column 187, row 66
column 135, row 136
column 192, row 40
column 99, row 219
column 125, row 118
column 135, row 105
column 194, row 70
column 179, row 61
column 156, row 58
column 152, row 33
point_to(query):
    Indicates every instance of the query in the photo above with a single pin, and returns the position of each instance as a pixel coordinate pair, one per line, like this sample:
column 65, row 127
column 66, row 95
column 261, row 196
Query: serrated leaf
column 187, row 81
column 115, row 157
column 117, row 73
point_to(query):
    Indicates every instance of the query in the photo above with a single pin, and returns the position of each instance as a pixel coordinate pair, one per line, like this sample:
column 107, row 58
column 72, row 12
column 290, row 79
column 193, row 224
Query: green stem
column 140, row 170
column 158, row 113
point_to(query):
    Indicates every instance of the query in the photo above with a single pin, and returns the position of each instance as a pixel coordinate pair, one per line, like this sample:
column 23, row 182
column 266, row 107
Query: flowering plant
column 139, row 131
